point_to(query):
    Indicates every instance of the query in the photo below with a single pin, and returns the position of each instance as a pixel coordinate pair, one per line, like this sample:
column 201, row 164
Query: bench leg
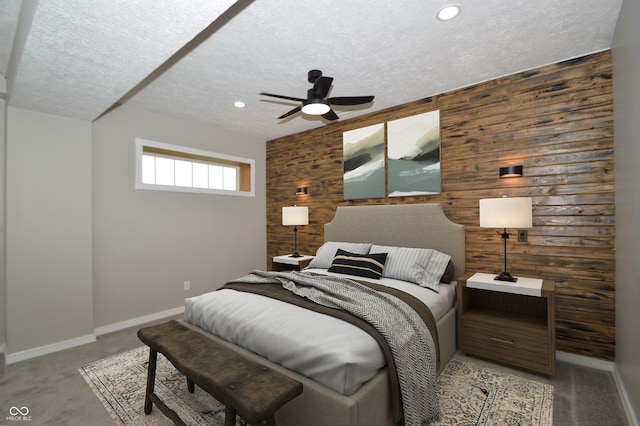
column 151, row 398
column 151, row 380
column 271, row 421
column 191, row 386
column 229, row 415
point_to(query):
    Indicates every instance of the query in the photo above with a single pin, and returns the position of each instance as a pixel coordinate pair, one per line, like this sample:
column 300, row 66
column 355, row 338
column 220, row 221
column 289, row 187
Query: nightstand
column 509, row 324
column 288, row 263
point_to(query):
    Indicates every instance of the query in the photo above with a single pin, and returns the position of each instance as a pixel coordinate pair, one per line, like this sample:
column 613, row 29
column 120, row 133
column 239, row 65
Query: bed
column 324, row 402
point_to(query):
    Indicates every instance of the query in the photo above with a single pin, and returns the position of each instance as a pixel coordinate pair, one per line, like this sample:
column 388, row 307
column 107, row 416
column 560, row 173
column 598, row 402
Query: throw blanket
column 411, row 344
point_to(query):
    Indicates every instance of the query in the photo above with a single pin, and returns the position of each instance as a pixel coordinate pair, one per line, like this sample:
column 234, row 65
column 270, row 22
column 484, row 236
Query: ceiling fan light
column 315, row 107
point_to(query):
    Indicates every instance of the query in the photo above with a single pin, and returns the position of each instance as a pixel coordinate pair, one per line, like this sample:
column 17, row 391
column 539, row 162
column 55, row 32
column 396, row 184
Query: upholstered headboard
column 402, row 225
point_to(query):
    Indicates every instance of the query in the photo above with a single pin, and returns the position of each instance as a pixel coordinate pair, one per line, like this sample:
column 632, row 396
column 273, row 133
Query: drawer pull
column 495, row 339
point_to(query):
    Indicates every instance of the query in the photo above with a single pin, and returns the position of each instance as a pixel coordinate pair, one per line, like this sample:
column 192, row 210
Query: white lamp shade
column 295, row 215
column 506, row 212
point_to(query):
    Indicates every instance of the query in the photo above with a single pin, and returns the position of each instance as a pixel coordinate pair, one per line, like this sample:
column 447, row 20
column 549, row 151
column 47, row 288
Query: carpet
column 468, row 394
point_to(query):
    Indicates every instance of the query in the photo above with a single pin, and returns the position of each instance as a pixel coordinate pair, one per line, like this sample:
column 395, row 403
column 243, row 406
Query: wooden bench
column 249, row 389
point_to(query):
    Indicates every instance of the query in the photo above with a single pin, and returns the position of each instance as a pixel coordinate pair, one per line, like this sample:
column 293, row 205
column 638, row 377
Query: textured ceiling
column 81, row 57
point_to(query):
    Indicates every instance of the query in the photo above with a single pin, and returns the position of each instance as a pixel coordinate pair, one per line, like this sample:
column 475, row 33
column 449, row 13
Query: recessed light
column 448, row 12
column 239, row 104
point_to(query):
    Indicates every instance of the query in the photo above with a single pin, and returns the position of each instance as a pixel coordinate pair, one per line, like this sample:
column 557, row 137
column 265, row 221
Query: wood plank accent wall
column 557, row 121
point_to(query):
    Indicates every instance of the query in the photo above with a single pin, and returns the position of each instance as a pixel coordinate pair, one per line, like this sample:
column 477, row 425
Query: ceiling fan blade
column 293, row 111
column 282, row 97
column 321, row 87
column 350, row 100
column 330, row 115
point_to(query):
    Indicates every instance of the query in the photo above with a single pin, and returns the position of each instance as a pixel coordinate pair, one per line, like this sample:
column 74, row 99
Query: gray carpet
column 56, row 394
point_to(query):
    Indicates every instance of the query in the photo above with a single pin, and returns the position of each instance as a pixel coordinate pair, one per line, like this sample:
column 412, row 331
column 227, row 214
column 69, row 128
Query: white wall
column 147, row 243
column 626, row 69
column 85, row 250
column 3, row 275
column 49, row 295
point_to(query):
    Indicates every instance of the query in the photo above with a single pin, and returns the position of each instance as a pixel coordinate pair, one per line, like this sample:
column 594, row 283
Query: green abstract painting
column 364, row 171
column 413, row 153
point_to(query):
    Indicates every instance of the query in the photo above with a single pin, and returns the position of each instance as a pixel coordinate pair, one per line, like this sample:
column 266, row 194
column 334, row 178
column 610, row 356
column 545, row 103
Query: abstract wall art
column 414, row 155
column 364, row 162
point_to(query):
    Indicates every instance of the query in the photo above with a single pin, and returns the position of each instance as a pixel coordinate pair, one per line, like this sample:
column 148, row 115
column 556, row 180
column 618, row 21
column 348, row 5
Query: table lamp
column 505, row 213
column 294, row 216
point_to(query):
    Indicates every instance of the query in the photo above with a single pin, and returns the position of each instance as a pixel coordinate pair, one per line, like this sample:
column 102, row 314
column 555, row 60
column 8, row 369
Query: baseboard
column 138, row 321
column 585, row 361
column 624, row 397
column 90, row 338
column 607, row 366
column 48, row 349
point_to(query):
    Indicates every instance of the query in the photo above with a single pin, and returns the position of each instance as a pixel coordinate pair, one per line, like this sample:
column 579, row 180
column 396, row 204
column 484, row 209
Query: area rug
column 468, row 394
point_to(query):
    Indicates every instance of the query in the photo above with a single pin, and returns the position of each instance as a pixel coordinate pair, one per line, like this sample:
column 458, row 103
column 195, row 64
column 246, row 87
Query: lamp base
column 506, row 276
column 295, row 255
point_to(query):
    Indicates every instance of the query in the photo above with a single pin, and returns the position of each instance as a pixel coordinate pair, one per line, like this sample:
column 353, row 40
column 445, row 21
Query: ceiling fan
column 316, row 104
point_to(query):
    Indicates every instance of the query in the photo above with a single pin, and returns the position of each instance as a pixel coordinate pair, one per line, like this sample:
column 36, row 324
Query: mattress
column 328, row 350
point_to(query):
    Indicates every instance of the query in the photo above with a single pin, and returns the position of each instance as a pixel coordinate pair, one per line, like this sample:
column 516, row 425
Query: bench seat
column 247, row 388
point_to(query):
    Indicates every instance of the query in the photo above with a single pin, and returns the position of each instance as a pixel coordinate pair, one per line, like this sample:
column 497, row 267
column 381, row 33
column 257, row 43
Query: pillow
column 448, row 275
column 424, row 267
column 361, row 265
column 436, row 269
column 326, row 253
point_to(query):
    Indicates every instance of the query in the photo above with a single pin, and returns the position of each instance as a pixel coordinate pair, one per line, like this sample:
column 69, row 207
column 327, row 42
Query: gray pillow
column 424, row 267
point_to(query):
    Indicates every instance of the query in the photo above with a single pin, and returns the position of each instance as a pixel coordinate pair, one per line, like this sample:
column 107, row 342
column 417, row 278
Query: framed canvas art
column 413, row 153
column 364, row 171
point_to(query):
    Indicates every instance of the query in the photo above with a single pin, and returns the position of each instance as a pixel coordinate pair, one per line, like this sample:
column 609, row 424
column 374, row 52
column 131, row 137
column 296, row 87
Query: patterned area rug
column 468, row 394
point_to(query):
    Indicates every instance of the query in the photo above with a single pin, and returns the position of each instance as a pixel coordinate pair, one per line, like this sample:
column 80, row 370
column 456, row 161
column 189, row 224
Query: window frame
column 225, row 160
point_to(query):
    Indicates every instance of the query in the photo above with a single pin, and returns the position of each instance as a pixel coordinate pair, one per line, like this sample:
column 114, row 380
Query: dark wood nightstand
column 506, row 324
column 288, row 263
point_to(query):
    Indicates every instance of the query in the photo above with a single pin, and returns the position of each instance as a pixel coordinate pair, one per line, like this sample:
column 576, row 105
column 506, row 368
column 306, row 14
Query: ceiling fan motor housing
column 313, row 75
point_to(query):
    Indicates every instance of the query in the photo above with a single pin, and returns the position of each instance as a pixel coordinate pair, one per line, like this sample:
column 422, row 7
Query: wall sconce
column 301, row 190
column 510, row 171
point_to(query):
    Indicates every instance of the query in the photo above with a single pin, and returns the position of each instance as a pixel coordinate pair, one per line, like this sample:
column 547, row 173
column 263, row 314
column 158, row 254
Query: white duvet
column 326, row 349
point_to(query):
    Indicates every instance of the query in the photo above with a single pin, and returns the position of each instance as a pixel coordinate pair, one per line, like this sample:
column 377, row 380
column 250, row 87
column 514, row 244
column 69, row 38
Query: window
column 167, row 167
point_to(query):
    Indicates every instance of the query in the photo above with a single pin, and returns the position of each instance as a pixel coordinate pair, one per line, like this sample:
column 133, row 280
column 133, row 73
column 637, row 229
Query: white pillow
column 326, row 253
column 424, row 267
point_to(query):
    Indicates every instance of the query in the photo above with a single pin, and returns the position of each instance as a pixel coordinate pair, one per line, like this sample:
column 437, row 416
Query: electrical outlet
column 187, row 285
column 523, row 235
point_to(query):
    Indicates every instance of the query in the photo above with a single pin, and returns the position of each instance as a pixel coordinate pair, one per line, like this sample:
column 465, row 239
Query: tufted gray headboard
column 403, row 225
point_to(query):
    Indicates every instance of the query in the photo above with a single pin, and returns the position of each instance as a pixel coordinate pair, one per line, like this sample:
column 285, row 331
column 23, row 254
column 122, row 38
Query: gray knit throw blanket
column 409, row 339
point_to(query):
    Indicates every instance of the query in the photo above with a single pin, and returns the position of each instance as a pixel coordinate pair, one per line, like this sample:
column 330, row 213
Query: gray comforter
column 409, row 339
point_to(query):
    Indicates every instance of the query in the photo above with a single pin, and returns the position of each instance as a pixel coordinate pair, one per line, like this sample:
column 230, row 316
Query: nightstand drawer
column 505, row 340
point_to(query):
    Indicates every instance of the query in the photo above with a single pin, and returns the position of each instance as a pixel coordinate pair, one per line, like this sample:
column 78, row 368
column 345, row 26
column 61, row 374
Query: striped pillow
column 424, row 267
column 361, row 265
column 326, row 253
